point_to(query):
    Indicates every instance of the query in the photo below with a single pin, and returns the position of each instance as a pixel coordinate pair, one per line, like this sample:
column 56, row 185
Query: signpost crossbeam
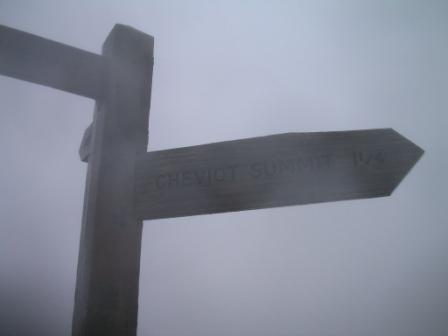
column 272, row 171
column 35, row 59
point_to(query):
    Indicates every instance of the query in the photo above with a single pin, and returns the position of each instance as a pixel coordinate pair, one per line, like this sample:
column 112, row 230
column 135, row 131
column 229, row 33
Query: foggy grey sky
column 227, row 70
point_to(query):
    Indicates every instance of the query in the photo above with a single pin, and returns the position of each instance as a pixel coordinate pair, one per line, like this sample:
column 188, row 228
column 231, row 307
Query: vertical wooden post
column 106, row 299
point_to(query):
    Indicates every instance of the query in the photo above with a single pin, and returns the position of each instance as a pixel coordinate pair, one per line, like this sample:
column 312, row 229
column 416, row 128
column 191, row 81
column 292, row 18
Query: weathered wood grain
column 272, row 171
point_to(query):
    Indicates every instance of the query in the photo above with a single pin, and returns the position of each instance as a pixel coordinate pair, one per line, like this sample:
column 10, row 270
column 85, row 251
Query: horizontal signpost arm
column 272, row 171
column 35, row 59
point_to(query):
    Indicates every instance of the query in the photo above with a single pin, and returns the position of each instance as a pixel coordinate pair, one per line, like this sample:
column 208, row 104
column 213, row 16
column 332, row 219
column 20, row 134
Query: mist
column 227, row 70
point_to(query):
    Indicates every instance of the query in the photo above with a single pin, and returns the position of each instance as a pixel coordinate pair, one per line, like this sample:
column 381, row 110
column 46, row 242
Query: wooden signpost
column 126, row 185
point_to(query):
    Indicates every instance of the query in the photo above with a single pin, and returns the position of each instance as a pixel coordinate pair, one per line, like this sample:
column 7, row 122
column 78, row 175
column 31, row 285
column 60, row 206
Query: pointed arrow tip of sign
column 413, row 148
column 412, row 153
